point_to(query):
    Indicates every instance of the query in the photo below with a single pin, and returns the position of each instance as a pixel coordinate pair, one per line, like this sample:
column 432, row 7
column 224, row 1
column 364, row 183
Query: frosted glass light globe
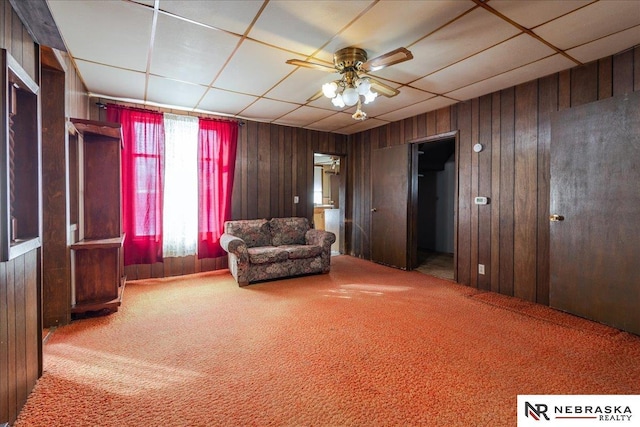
column 370, row 96
column 350, row 96
column 338, row 101
column 363, row 86
column 329, row 89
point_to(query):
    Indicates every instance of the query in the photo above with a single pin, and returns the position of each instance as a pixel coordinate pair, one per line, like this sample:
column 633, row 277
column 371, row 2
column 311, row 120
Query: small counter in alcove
column 99, row 284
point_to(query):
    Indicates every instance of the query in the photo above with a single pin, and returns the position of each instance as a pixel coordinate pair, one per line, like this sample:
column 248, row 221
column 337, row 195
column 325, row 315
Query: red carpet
column 364, row 345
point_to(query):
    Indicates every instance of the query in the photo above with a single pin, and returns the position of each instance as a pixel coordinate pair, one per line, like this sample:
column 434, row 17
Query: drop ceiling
column 229, row 57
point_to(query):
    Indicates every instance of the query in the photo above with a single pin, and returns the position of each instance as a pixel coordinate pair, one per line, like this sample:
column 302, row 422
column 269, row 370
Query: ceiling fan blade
column 396, row 56
column 382, row 88
column 307, row 64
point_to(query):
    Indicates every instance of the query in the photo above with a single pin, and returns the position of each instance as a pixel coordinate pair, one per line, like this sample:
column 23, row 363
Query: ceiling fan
column 353, row 66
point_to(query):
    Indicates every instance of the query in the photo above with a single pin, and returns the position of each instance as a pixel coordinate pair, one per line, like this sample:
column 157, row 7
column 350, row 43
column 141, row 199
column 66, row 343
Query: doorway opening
column 329, row 196
column 436, row 207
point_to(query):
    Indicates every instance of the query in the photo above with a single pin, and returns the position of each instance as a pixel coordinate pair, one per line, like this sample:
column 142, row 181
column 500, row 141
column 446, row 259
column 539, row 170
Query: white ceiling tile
column 267, row 109
column 254, row 69
column 606, row 45
column 542, row 68
column 361, row 125
column 190, row 52
column 474, row 32
column 175, row 93
column 225, row 102
column 408, row 95
column 304, row 26
column 114, row 82
column 520, row 50
column 304, row 116
column 597, row 20
column 324, row 103
column 333, row 122
column 233, row 16
column 531, row 13
column 301, row 85
column 392, row 24
column 111, row 33
column 419, row 108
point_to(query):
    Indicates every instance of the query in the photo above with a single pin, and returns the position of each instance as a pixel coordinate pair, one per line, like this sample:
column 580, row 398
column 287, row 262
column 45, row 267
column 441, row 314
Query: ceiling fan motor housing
column 349, row 58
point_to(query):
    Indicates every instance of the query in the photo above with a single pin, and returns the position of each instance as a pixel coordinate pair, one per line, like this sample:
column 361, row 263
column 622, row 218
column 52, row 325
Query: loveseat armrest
column 235, row 245
column 320, row 237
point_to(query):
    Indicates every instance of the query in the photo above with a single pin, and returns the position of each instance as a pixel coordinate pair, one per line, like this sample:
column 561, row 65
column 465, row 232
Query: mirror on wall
column 326, row 171
column 326, row 195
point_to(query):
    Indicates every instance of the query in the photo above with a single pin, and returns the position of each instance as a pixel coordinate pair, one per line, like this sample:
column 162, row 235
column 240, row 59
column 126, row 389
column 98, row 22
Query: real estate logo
column 536, row 411
column 578, row 410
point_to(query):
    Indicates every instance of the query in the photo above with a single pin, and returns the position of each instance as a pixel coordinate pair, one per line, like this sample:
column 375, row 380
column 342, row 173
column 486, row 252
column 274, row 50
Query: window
column 180, row 186
column 177, row 174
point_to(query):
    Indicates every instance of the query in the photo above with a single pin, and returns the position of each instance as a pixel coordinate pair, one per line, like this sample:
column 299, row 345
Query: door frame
column 413, row 220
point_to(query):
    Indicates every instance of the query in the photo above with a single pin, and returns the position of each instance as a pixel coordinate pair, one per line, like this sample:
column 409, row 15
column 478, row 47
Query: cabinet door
column 96, row 275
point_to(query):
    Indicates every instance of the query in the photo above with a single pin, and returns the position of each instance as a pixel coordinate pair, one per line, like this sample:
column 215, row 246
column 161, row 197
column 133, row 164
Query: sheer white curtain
column 180, row 185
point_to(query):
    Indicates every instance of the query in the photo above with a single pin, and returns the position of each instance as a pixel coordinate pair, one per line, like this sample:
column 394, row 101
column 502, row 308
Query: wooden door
column 595, row 186
column 392, row 203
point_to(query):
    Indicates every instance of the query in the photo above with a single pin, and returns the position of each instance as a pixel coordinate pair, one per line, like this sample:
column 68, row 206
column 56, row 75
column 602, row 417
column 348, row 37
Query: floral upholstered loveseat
column 261, row 249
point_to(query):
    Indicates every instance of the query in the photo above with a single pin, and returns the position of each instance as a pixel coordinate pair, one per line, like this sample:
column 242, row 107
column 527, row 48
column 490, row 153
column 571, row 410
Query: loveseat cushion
column 254, row 232
column 302, row 251
column 288, row 231
column 267, row 254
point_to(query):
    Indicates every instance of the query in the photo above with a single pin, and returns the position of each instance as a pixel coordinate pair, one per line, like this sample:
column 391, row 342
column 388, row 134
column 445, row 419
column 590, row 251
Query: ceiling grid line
column 154, row 23
column 527, row 31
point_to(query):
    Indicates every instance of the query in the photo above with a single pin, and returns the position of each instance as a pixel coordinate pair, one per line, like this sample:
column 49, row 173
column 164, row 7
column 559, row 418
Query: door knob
column 556, row 218
column 374, row 210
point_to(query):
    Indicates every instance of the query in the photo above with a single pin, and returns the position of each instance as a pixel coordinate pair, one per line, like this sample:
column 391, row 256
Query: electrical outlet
column 480, row 268
column 296, row 199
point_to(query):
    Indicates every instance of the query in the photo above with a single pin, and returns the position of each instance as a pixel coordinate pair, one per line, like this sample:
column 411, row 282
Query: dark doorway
column 436, row 207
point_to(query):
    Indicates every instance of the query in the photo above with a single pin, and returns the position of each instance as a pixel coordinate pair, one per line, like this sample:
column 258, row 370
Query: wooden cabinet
column 97, row 280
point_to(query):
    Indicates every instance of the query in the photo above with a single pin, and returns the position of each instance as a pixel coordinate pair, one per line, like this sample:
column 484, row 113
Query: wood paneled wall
column 510, row 236
column 20, row 332
column 273, row 164
column 76, row 97
column 56, row 264
column 21, row 348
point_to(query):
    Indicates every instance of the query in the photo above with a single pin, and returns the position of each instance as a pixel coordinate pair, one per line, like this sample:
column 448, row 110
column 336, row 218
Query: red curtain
column 217, row 142
column 142, row 175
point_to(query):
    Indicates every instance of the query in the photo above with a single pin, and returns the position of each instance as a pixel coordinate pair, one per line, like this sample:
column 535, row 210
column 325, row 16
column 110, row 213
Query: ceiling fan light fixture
column 350, row 96
column 364, row 86
column 370, row 96
column 359, row 114
column 329, row 89
column 337, row 101
column 350, row 62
